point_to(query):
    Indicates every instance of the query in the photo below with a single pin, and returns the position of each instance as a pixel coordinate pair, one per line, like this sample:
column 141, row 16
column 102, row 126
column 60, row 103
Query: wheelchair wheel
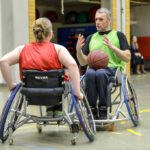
column 130, row 100
column 85, row 117
column 9, row 115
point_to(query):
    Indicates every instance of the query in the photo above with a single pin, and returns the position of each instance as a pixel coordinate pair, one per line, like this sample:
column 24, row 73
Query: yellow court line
column 144, row 110
column 134, row 132
column 122, row 122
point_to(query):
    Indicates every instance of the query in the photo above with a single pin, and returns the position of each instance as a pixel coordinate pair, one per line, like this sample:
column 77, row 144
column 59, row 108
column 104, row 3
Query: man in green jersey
column 112, row 42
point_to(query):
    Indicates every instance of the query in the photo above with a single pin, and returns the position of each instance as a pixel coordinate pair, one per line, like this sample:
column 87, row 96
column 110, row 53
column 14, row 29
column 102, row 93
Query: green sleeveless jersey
column 96, row 43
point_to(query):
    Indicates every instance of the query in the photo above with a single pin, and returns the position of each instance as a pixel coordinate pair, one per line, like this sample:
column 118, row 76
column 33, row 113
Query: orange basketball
column 97, row 59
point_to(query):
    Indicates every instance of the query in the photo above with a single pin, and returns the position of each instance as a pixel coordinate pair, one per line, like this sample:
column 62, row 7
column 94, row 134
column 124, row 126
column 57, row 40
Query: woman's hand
column 12, row 86
column 79, row 96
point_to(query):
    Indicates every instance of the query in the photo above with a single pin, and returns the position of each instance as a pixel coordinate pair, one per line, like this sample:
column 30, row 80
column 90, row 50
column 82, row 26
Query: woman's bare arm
column 8, row 60
column 67, row 60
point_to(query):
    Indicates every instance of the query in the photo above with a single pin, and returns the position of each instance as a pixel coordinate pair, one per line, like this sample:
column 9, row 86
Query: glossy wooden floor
column 124, row 136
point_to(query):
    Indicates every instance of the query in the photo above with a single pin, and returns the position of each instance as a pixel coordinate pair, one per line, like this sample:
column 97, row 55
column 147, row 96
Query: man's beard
column 107, row 29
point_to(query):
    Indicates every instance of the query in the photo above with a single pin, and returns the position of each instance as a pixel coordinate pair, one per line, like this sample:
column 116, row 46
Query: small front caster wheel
column 73, row 142
column 39, row 128
column 10, row 141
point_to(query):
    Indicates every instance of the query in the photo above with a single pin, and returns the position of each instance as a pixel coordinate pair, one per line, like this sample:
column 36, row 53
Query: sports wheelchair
column 122, row 103
column 46, row 88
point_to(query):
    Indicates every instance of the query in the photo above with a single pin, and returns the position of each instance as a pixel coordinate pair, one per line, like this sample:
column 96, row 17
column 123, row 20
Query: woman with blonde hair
column 41, row 55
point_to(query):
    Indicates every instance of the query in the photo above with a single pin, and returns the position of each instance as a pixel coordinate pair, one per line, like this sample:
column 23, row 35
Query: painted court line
column 144, row 110
column 134, row 132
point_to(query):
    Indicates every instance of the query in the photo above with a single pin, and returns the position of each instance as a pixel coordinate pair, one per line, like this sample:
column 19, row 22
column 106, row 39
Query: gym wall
column 14, row 29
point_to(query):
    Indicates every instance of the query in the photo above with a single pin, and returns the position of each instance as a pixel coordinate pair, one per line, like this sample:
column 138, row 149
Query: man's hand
column 81, row 57
column 108, row 43
column 80, row 42
column 123, row 55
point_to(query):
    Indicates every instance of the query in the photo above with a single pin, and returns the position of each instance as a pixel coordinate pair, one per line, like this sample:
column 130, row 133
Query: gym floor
column 123, row 137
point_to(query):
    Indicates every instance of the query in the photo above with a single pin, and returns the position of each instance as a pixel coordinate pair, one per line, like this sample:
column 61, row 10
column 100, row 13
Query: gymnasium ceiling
column 86, row 2
column 139, row 2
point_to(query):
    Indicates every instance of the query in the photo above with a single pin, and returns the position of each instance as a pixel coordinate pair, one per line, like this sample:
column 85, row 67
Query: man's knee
column 90, row 73
column 101, row 73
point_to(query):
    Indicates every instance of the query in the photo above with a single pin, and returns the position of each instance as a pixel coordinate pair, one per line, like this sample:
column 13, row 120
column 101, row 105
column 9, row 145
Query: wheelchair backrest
column 116, row 79
column 43, row 87
column 118, row 75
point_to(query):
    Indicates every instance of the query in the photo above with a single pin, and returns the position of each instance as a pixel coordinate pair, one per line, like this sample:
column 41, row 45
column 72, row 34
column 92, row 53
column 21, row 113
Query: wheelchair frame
column 79, row 115
column 124, row 92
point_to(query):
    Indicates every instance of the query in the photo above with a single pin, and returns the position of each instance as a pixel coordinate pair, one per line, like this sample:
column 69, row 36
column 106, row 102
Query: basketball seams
column 105, row 58
column 102, row 63
column 91, row 58
column 98, row 59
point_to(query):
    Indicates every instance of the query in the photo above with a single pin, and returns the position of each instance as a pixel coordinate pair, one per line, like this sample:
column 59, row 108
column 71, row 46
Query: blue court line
column 38, row 147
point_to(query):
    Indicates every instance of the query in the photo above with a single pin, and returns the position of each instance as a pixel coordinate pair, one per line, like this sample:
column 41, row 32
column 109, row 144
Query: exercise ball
column 91, row 13
column 51, row 15
column 37, row 15
column 71, row 17
column 82, row 17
